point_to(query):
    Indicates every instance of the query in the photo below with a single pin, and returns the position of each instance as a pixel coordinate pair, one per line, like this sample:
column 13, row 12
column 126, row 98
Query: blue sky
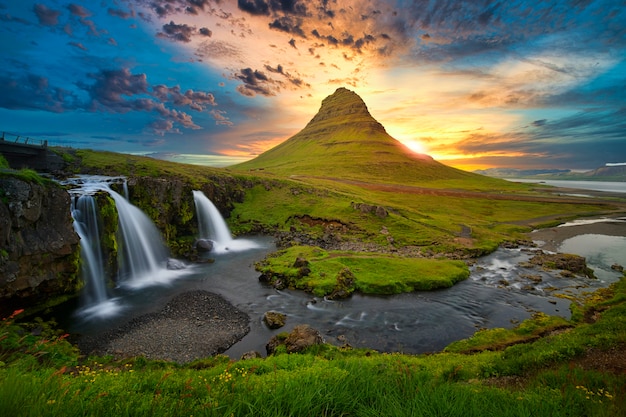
column 475, row 84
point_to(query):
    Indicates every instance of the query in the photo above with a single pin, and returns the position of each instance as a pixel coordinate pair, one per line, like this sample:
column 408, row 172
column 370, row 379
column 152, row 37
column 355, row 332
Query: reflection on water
column 499, row 293
column 601, row 252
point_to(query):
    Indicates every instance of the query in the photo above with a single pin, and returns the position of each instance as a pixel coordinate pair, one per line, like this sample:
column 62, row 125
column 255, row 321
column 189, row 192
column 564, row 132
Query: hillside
column 344, row 141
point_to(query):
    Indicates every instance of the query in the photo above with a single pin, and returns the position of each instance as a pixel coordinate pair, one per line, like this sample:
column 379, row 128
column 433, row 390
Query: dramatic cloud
column 474, row 82
column 255, row 82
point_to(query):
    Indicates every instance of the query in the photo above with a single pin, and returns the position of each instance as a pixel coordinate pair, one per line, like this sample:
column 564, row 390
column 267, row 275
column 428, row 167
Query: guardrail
column 11, row 137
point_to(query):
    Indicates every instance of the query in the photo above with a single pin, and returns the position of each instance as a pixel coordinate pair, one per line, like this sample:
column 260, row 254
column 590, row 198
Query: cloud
column 255, row 82
column 78, row 10
column 196, row 100
column 120, row 91
column 46, row 16
column 121, row 13
column 289, row 25
column 254, row 7
column 165, row 8
column 219, row 117
column 78, row 45
column 177, row 32
column 33, row 92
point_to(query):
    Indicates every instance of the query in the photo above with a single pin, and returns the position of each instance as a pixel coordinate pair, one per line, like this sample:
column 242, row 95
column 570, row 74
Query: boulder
column 301, row 337
column 274, row 320
column 571, row 263
column 204, row 245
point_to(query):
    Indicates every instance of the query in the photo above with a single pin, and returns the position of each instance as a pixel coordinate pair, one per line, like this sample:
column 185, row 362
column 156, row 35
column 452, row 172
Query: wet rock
column 617, row 267
column 301, row 337
column 274, row 320
column 574, row 264
column 204, row 245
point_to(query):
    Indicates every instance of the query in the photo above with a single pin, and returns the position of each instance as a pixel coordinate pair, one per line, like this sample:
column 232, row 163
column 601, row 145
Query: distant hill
column 520, row 173
column 344, row 141
column 606, row 173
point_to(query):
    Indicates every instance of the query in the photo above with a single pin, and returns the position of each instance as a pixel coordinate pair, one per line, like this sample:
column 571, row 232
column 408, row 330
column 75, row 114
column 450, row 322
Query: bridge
column 25, row 152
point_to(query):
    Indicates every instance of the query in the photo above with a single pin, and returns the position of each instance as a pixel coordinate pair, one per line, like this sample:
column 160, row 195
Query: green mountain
column 344, row 141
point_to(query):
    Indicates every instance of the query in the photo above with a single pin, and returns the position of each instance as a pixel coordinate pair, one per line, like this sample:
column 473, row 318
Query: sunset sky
column 475, row 84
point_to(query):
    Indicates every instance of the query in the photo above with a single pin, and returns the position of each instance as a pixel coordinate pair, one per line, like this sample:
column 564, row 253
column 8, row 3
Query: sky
column 475, row 84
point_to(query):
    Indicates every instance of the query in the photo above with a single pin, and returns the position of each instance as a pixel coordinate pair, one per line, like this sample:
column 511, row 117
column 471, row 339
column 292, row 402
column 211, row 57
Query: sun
column 415, row 145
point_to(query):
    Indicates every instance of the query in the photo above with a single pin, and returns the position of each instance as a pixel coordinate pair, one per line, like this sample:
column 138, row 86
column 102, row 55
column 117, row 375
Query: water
column 500, row 292
column 142, row 256
column 211, row 226
column 85, row 215
column 605, row 186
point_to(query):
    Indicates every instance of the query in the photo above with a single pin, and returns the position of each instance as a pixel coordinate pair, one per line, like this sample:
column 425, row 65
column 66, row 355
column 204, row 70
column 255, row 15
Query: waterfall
column 211, row 226
column 142, row 256
column 85, row 215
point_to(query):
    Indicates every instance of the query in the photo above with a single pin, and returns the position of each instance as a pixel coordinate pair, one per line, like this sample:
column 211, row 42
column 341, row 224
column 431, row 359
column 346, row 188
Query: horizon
column 515, row 85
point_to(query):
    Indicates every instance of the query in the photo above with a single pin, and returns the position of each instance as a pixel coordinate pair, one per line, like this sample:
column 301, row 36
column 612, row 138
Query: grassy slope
column 344, row 141
column 431, row 223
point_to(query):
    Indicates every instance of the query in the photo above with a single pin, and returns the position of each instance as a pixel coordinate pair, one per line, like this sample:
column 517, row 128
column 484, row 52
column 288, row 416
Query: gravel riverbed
column 191, row 326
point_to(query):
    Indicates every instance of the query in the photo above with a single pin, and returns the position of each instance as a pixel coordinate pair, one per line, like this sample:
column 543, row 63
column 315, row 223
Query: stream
column 499, row 293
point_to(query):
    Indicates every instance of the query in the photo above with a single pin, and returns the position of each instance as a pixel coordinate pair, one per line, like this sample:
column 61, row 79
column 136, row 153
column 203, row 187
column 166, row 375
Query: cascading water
column 142, row 256
column 85, row 215
column 211, row 226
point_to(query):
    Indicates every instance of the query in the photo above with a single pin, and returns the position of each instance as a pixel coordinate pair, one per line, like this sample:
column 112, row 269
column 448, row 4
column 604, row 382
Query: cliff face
column 39, row 252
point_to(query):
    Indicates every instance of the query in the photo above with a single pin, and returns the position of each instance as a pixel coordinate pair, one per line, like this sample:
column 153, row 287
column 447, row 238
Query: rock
column 39, row 249
column 204, row 245
column 300, row 262
column 379, row 211
column 565, row 261
column 274, row 320
column 345, row 285
column 301, row 337
column 617, row 267
column 175, row 264
column 253, row 354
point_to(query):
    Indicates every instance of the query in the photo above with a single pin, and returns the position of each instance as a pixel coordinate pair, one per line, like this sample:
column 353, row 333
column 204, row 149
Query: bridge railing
column 11, row 137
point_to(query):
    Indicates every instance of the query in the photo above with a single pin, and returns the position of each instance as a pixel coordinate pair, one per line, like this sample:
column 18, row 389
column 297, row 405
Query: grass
column 330, row 271
column 42, row 375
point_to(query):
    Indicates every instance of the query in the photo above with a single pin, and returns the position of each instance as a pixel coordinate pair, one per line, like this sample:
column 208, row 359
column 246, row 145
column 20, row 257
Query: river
column 497, row 294
column 605, row 186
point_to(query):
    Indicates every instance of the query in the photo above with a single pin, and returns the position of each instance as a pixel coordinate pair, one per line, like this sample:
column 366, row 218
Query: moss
column 108, row 229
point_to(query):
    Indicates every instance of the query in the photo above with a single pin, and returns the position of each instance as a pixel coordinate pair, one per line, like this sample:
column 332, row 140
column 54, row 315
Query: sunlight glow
column 415, row 145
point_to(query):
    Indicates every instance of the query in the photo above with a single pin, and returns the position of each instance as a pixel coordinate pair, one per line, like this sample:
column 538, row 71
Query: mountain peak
column 344, row 141
column 343, row 107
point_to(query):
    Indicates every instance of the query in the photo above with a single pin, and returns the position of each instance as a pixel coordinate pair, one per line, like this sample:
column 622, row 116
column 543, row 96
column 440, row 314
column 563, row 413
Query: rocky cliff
column 39, row 252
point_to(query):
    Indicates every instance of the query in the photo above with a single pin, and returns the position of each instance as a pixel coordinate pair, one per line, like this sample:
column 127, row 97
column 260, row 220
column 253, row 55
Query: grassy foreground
column 562, row 373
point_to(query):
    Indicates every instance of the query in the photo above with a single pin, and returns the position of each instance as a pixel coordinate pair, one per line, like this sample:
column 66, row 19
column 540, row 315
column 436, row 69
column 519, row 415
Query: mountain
column 605, row 173
column 521, row 173
column 344, row 141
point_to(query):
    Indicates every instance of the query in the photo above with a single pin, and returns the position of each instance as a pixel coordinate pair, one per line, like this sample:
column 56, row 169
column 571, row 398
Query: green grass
column 42, row 375
column 370, row 273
